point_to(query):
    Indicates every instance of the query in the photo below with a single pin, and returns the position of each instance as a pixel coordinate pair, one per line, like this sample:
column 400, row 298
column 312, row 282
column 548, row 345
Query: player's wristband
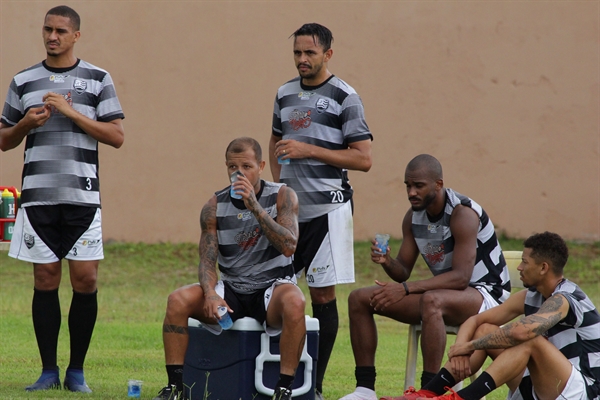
column 405, row 288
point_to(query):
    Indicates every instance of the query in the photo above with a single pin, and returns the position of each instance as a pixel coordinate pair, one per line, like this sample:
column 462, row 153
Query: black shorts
column 311, row 235
column 60, row 226
column 246, row 305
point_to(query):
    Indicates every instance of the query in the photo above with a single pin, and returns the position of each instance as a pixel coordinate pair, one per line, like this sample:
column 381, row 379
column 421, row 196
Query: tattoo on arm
column 278, row 233
column 208, row 248
column 549, row 314
column 175, row 329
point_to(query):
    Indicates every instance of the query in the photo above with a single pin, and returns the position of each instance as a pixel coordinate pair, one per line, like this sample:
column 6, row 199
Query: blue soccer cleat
column 48, row 380
column 75, row 382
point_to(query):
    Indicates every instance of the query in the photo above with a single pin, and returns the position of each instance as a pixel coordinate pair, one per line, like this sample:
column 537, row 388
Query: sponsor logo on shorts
column 79, row 85
column 319, row 270
column 29, row 240
column 90, row 243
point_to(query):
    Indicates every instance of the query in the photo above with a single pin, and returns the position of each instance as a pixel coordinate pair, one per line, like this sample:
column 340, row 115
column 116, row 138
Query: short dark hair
column 317, row 31
column 240, row 145
column 548, row 247
column 429, row 164
column 67, row 12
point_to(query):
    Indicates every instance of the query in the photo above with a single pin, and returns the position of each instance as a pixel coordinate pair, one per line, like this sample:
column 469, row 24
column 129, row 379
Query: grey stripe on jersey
column 436, row 245
column 247, row 259
column 61, row 161
column 330, row 116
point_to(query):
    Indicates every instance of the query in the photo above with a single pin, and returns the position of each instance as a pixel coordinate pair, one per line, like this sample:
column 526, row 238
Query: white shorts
column 27, row 245
column 574, row 390
column 333, row 262
column 488, row 301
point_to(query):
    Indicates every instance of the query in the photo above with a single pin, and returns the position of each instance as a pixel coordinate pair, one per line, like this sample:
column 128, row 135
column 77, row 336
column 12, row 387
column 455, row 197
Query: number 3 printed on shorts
column 336, row 196
column 89, row 184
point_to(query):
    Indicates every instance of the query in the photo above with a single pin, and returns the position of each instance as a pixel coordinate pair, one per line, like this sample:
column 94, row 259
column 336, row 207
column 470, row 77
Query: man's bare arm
column 282, row 234
column 208, row 248
column 553, row 311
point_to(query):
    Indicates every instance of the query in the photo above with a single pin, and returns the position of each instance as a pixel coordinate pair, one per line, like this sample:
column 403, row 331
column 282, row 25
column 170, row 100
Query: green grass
column 134, row 282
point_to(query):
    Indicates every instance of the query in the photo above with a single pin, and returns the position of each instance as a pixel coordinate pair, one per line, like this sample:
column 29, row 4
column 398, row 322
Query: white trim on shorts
column 216, row 329
column 334, row 261
column 575, row 389
column 26, row 245
column 488, row 300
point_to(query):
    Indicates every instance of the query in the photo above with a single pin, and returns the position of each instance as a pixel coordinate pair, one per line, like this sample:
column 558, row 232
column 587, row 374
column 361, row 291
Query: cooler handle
column 266, row 356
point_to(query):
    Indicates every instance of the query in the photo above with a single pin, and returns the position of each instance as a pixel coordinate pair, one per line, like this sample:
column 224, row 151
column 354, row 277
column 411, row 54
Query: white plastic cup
column 233, row 178
column 282, row 161
column 134, row 388
column 225, row 320
column 382, row 240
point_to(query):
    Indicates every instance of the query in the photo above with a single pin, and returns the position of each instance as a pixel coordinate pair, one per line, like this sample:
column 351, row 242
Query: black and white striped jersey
column 578, row 335
column 330, row 115
column 61, row 160
column 247, row 260
column 436, row 244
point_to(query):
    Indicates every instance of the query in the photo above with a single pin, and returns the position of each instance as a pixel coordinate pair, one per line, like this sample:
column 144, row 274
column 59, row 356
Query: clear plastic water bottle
column 225, row 320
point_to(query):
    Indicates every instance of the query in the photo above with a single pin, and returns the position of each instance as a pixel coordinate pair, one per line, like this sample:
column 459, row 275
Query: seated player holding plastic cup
column 252, row 240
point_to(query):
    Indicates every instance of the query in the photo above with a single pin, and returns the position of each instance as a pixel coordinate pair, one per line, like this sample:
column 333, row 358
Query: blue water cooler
column 242, row 363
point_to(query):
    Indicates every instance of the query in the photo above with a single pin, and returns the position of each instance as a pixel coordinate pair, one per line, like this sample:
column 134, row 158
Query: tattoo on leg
column 175, row 329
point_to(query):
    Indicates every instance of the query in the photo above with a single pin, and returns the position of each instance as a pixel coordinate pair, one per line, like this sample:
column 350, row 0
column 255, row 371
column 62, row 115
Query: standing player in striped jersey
column 63, row 107
column 551, row 352
column 319, row 128
column 456, row 239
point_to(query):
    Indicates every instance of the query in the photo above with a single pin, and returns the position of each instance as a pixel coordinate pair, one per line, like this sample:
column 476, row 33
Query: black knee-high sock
column 365, row 377
column 483, row 385
column 45, row 310
column 175, row 375
column 82, row 318
column 443, row 379
column 327, row 314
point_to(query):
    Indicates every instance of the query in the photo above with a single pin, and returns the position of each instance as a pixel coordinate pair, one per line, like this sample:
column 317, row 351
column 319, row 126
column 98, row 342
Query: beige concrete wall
column 505, row 94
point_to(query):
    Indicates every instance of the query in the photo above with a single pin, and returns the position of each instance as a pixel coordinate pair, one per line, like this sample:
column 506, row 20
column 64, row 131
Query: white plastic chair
column 513, row 259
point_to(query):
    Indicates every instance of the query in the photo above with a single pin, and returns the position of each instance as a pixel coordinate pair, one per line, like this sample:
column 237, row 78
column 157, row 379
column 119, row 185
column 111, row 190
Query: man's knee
column 431, row 302
column 322, row 295
column 484, row 329
column 179, row 301
column 359, row 300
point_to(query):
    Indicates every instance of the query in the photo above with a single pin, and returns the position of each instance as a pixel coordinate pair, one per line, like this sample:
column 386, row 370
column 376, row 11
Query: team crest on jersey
column 58, row 78
column 245, row 216
column 434, row 253
column 79, row 85
column 305, row 95
column 322, row 105
column 248, row 239
column 299, row 119
column 29, row 240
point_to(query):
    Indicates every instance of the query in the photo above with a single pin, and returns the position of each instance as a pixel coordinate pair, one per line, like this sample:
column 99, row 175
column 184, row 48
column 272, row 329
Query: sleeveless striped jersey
column 436, row 244
column 61, row 160
column 578, row 335
column 330, row 115
column 247, row 259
